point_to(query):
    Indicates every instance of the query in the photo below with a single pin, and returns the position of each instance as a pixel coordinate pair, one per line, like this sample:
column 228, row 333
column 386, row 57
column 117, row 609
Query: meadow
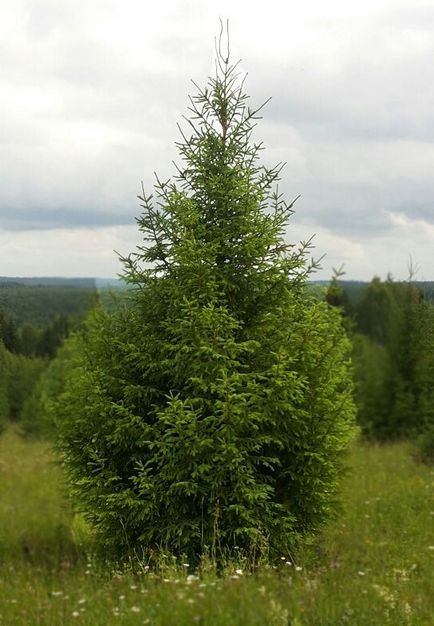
column 374, row 565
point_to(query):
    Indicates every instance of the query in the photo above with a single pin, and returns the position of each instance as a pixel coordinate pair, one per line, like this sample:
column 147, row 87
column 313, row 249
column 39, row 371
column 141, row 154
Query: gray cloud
column 90, row 96
column 49, row 219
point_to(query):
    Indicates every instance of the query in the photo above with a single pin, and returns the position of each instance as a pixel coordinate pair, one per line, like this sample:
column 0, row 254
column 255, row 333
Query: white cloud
column 66, row 252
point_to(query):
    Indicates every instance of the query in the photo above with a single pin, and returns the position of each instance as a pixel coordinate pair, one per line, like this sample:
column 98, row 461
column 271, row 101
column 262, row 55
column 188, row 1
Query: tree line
column 38, row 304
column 34, row 323
column 392, row 329
column 31, row 340
column 391, row 325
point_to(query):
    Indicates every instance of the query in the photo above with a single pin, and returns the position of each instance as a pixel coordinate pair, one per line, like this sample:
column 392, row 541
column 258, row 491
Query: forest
column 35, row 320
column 391, row 325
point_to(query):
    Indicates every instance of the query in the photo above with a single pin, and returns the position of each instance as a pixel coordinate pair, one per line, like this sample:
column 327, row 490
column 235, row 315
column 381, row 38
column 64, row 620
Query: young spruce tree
column 212, row 411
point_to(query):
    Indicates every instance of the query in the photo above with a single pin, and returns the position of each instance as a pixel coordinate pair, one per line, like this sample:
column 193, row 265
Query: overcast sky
column 91, row 92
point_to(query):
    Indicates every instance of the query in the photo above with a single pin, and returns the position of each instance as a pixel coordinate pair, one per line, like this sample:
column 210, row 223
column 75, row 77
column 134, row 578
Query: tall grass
column 374, row 566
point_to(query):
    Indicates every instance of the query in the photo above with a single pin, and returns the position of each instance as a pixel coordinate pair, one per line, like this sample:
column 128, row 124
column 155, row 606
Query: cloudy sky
column 91, row 92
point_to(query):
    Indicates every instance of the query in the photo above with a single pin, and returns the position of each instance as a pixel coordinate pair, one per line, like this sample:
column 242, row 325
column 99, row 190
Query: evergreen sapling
column 211, row 412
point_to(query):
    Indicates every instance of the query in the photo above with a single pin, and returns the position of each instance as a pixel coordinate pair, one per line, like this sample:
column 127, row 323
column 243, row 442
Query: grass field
column 374, row 566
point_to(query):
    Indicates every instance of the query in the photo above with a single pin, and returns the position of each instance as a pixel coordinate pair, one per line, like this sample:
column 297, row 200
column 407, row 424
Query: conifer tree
column 336, row 294
column 213, row 410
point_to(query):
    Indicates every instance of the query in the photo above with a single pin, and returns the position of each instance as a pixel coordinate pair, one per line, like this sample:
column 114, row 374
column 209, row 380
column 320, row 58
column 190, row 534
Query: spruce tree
column 211, row 412
column 337, row 296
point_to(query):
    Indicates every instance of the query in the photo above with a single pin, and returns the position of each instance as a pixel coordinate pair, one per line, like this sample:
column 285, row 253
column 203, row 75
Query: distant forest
column 39, row 305
column 354, row 289
column 391, row 325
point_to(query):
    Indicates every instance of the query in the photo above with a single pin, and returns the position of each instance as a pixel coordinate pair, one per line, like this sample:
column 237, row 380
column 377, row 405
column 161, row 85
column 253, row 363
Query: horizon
column 343, row 279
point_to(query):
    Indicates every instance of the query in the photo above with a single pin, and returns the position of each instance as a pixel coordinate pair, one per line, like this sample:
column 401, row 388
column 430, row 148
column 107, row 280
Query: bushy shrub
column 212, row 411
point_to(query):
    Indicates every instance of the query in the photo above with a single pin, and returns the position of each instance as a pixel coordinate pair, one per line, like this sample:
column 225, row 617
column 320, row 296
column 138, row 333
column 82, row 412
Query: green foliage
column 43, row 341
column 377, row 314
column 373, row 386
column 23, row 376
column 8, row 332
column 32, row 340
column 39, row 304
column 52, row 336
column 424, row 444
column 37, row 414
column 34, row 322
column 425, row 387
column 394, row 360
column 337, row 296
column 4, row 378
column 211, row 412
column 23, row 355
